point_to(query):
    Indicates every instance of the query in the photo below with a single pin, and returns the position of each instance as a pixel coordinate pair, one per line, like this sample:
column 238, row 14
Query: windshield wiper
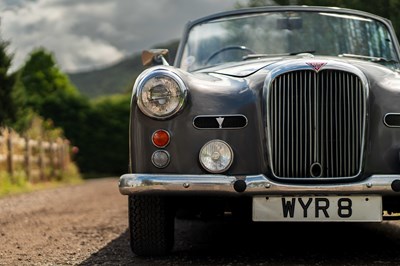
column 252, row 56
column 371, row 58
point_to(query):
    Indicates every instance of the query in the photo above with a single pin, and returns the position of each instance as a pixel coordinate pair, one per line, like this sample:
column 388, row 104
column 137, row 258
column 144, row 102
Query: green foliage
column 19, row 182
column 42, row 129
column 8, row 107
column 104, row 145
column 99, row 129
column 52, row 95
column 11, row 185
column 43, row 79
column 23, row 114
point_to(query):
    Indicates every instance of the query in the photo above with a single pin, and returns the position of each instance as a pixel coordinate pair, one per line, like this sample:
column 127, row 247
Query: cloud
column 92, row 33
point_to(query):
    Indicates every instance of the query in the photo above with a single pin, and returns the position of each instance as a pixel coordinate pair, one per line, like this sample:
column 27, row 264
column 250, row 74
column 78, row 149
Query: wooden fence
column 40, row 160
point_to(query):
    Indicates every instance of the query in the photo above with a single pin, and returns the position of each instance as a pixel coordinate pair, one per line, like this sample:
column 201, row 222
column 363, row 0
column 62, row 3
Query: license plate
column 354, row 208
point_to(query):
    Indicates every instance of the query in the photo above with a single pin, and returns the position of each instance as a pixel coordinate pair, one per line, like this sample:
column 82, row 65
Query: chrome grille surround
column 300, row 138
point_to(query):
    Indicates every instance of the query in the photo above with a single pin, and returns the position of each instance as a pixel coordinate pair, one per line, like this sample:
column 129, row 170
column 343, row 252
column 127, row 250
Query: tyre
column 151, row 225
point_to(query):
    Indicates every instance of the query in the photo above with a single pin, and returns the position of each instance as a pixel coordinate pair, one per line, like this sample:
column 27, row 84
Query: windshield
column 234, row 38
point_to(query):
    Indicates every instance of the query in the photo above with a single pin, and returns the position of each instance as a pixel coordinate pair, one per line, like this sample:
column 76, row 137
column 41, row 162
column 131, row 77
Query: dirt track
column 87, row 225
column 60, row 226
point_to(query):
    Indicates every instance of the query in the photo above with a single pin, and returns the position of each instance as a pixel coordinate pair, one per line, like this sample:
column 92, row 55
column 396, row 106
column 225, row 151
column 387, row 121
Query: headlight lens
column 161, row 94
column 216, row 156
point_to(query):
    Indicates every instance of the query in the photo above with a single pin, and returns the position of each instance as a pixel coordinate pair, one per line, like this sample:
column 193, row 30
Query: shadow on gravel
column 235, row 243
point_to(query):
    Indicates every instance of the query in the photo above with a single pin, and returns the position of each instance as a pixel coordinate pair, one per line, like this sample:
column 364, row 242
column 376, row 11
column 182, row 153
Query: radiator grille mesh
column 316, row 119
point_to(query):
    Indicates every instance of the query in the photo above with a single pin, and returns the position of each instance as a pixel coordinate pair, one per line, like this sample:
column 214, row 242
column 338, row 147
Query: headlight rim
column 156, row 73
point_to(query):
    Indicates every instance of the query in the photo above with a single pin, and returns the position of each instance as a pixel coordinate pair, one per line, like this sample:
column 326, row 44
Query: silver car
column 282, row 113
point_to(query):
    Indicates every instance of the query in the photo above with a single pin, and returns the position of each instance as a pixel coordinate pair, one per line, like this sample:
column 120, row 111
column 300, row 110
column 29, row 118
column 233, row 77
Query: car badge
column 316, row 65
column 220, row 120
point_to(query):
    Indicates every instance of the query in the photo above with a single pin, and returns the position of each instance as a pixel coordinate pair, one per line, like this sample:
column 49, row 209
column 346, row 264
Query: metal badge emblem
column 317, row 66
column 220, row 120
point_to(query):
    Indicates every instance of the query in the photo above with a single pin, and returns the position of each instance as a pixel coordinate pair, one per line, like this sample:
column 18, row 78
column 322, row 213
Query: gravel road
column 87, row 225
column 62, row 226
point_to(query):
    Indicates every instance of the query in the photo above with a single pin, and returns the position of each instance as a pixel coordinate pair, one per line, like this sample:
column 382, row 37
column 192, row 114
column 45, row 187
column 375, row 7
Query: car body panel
column 219, row 92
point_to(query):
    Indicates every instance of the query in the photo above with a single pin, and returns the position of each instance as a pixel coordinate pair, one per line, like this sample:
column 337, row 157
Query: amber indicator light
column 161, row 138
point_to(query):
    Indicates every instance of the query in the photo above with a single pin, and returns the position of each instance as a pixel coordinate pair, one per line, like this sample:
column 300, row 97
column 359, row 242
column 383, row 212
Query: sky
column 88, row 34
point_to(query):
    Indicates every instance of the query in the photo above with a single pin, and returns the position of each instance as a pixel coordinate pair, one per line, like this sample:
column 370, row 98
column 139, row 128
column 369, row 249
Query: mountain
column 116, row 78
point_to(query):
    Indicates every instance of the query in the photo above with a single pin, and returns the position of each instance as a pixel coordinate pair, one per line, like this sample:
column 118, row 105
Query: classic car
column 281, row 113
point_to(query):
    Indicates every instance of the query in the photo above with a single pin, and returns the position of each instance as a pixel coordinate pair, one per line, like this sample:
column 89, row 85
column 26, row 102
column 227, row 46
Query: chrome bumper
column 252, row 184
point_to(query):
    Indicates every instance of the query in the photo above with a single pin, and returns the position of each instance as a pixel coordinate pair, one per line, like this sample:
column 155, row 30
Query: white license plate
column 354, row 208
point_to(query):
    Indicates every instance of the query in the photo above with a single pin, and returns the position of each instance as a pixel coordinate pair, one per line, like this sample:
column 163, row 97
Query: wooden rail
column 41, row 160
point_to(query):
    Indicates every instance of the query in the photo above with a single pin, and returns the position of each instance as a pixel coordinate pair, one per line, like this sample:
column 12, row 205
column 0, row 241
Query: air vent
column 220, row 121
column 316, row 124
column 392, row 120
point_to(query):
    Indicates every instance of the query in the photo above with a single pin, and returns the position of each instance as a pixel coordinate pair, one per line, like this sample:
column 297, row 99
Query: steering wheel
column 228, row 48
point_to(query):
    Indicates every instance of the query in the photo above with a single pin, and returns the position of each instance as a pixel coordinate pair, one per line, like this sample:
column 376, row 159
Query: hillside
column 117, row 78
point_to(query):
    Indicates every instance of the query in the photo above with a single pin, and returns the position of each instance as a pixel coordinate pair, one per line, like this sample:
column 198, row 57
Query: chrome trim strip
column 384, row 119
column 217, row 116
column 256, row 185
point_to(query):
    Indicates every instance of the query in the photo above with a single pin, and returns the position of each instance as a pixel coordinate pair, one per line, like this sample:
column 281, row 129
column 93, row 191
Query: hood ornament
column 317, row 66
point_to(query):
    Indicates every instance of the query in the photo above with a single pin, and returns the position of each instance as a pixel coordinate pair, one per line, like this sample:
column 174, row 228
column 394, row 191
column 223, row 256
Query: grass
column 17, row 184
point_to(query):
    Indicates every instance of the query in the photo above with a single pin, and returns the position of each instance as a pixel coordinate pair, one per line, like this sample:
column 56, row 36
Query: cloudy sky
column 84, row 34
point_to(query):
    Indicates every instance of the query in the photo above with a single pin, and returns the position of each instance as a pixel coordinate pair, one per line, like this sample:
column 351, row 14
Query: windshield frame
column 250, row 11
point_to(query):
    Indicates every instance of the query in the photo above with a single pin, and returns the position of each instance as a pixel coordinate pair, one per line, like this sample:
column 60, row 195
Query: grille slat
column 292, row 122
column 316, row 118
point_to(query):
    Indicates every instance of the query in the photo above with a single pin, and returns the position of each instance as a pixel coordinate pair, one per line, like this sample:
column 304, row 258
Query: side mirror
column 154, row 57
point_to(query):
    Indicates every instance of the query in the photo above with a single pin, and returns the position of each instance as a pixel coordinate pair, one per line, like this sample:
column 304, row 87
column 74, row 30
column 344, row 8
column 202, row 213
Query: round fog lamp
column 160, row 159
column 216, row 156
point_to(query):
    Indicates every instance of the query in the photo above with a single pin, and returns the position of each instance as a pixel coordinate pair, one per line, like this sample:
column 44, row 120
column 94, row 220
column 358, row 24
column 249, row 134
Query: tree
column 42, row 80
column 52, row 95
column 99, row 129
column 8, row 108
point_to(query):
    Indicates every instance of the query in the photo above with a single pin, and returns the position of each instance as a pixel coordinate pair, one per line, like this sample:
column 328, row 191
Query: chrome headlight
column 161, row 94
column 216, row 156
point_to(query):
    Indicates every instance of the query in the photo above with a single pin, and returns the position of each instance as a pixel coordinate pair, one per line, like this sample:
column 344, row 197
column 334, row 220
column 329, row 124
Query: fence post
column 63, row 154
column 52, row 160
column 27, row 158
column 41, row 161
column 67, row 153
column 49, row 158
column 10, row 153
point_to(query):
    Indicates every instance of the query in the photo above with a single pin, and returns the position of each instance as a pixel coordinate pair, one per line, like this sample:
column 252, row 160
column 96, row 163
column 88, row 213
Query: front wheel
column 151, row 225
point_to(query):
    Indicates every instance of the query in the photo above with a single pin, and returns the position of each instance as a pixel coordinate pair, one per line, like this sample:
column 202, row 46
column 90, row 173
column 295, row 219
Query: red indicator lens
column 160, row 138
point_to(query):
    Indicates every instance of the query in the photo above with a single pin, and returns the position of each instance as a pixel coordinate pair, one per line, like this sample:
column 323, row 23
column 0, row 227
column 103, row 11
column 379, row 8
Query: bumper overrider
column 158, row 184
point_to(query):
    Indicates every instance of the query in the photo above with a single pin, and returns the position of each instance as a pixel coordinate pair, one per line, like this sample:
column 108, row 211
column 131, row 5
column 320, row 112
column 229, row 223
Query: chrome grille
column 316, row 118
